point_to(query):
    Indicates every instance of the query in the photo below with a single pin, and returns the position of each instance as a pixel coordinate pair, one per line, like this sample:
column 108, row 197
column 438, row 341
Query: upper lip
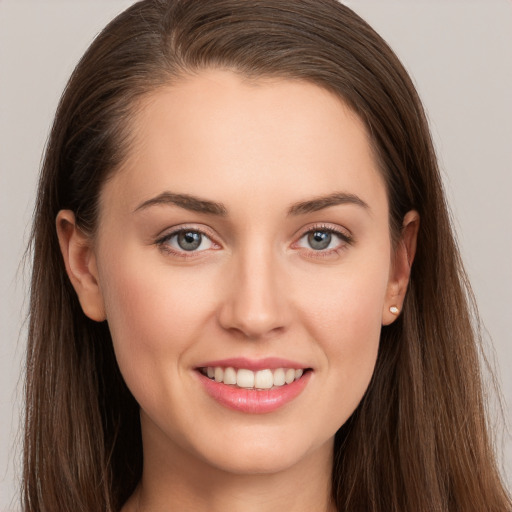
column 254, row 364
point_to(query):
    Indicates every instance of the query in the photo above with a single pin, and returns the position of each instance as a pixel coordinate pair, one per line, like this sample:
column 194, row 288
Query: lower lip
column 254, row 401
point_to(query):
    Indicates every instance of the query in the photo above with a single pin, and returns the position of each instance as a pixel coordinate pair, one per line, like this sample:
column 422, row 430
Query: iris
column 319, row 240
column 189, row 240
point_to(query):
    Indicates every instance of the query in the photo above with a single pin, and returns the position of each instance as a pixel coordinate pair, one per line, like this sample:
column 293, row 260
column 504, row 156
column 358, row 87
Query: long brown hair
column 418, row 441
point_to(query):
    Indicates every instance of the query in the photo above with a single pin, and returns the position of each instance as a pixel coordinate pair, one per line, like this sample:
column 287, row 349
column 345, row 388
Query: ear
column 80, row 260
column 401, row 267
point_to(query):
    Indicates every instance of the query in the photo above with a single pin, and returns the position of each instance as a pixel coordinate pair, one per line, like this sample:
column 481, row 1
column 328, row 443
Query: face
column 245, row 237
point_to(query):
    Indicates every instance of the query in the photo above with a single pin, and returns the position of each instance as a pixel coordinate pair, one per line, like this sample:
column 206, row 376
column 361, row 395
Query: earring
column 394, row 310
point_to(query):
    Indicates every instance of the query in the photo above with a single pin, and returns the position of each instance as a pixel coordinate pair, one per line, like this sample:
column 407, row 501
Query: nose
column 255, row 305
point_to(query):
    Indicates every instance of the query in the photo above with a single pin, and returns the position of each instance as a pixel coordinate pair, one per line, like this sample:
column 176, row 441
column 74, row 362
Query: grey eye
column 319, row 240
column 184, row 241
column 189, row 240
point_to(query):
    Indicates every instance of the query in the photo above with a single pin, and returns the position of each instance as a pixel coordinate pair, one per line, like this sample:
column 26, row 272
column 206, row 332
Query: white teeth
column 279, row 377
column 229, row 376
column 289, row 376
column 262, row 379
column 219, row 374
column 245, row 378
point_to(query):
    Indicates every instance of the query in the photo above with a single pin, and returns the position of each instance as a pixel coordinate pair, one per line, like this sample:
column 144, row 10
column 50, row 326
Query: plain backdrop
column 459, row 54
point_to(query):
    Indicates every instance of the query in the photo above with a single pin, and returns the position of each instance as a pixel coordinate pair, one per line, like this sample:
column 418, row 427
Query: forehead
column 226, row 134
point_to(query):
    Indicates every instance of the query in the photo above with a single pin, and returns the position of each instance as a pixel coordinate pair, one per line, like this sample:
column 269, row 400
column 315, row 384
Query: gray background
column 459, row 54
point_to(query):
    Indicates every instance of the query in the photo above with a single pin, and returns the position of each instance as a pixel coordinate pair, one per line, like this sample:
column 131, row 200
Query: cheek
column 345, row 319
column 346, row 304
column 154, row 314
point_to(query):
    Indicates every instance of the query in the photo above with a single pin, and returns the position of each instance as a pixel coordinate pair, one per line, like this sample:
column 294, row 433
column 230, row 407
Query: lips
column 254, row 387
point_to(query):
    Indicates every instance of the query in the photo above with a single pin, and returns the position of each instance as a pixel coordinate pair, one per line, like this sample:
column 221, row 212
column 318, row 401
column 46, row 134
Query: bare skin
column 293, row 260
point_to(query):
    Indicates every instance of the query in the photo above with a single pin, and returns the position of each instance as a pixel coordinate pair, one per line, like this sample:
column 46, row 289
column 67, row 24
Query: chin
column 264, row 454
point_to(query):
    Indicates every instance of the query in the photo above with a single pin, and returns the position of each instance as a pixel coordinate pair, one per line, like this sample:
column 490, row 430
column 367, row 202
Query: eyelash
column 345, row 240
column 163, row 242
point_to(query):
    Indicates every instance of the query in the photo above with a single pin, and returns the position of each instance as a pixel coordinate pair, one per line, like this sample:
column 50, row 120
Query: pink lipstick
column 253, row 386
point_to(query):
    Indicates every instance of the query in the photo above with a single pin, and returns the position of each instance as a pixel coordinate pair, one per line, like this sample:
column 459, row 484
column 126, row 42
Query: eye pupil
column 189, row 240
column 319, row 240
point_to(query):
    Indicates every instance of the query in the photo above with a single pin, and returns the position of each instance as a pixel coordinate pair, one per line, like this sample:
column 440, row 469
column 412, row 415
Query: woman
column 245, row 281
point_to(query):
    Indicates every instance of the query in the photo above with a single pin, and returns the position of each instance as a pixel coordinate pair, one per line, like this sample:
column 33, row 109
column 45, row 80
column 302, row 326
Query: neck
column 175, row 479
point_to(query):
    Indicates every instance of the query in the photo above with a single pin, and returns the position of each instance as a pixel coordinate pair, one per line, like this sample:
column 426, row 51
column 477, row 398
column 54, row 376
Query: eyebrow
column 197, row 204
column 319, row 203
column 187, row 202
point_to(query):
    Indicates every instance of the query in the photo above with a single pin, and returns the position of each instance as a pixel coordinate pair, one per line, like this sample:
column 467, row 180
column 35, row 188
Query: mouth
column 255, row 391
column 260, row 380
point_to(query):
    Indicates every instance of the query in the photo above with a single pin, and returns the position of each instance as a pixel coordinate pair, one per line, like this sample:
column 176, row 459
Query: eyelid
column 168, row 233
column 172, row 230
column 343, row 233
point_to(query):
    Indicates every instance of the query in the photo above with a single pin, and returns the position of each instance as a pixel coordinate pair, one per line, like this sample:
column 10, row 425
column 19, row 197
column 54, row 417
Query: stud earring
column 394, row 310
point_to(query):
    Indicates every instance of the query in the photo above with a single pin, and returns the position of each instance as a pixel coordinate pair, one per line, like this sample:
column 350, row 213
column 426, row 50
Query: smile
column 259, row 390
column 248, row 379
